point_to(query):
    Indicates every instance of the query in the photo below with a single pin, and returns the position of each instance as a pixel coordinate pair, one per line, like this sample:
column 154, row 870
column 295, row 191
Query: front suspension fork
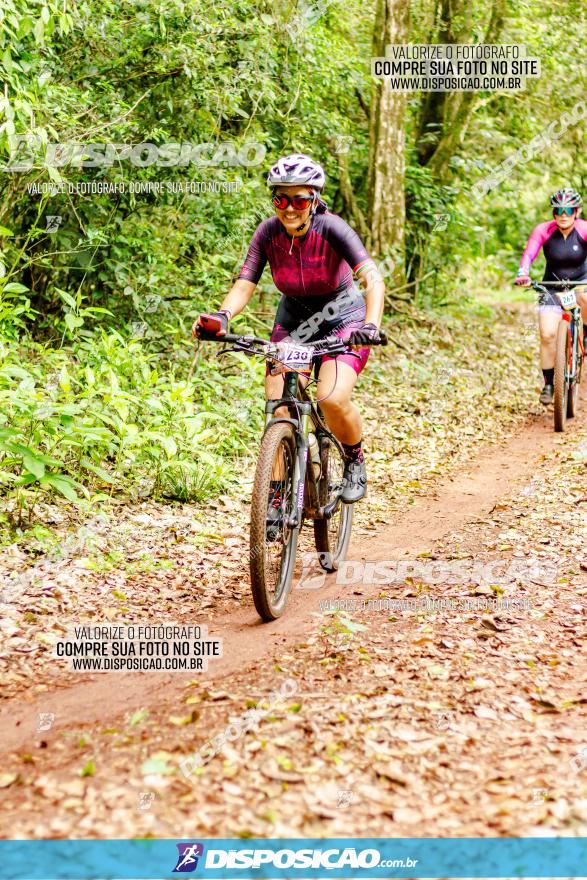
column 300, row 425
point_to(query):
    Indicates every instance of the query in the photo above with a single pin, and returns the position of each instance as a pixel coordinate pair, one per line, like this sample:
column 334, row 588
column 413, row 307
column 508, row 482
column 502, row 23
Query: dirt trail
column 471, row 494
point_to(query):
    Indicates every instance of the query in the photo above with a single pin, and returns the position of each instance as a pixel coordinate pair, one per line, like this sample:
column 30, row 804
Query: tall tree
column 387, row 212
column 445, row 116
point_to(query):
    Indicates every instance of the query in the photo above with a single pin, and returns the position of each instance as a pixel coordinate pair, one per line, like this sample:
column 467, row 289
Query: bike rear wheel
column 273, row 543
column 561, row 388
column 332, row 535
column 573, row 402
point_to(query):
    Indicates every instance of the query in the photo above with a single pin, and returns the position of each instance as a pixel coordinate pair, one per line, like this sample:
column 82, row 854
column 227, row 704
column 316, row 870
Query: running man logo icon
column 187, row 860
column 52, row 222
column 441, row 222
column 312, row 575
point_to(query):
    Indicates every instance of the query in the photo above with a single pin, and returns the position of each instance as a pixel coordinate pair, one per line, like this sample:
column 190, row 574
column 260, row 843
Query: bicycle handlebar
column 537, row 285
column 234, row 337
column 328, row 345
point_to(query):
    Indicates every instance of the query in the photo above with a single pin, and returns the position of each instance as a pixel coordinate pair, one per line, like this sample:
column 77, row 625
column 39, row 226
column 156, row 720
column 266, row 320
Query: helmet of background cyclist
column 566, row 198
column 297, row 169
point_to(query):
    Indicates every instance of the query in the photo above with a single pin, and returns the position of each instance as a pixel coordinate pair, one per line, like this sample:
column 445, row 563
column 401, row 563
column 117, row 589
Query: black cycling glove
column 369, row 334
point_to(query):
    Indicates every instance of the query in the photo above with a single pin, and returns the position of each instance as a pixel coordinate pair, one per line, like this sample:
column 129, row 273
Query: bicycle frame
column 308, row 415
column 306, row 411
column 277, row 519
column 300, row 425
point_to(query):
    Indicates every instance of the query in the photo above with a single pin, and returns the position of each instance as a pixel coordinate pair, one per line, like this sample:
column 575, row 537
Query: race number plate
column 295, row 358
column 568, row 299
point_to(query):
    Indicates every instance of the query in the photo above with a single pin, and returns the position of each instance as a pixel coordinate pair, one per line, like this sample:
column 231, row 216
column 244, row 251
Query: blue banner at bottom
column 291, row 858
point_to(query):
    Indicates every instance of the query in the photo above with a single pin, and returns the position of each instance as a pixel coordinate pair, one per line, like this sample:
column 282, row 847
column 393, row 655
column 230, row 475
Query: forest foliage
column 98, row 389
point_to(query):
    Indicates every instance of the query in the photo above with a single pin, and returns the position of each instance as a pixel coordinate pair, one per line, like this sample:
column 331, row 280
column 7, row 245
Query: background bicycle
column 569, row 349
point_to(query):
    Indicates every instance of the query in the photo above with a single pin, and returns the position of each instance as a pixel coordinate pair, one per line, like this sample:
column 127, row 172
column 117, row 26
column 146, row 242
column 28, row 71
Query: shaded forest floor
column 422, row 719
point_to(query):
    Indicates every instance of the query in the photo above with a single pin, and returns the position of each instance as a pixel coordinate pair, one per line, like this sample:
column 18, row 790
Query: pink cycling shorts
column 355, row 359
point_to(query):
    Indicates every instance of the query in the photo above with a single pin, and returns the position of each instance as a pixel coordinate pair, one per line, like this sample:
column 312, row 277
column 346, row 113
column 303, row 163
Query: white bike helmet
column 297, row 169
column 566, row 198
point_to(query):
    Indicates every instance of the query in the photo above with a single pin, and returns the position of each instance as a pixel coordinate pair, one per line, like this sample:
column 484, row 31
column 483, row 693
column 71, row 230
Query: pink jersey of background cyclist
column 565, row 257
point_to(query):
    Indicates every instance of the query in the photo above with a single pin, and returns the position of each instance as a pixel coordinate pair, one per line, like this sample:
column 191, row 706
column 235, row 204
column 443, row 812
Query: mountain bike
column 299, row 473
column 569, row 355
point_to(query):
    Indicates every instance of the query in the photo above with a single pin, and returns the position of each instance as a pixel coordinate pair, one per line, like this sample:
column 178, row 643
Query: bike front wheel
column 561, row 386
column 332, row 535
column 273, row 542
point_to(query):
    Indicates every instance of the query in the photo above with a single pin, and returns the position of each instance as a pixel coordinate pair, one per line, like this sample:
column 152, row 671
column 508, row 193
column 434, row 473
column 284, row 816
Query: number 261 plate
column 568, row 299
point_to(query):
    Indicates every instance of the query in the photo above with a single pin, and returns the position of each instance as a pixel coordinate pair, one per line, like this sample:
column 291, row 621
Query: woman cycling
column 564, row 243
column 312, row 255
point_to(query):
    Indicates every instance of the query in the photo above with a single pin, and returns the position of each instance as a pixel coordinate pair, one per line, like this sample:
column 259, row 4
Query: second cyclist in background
column 564, row 244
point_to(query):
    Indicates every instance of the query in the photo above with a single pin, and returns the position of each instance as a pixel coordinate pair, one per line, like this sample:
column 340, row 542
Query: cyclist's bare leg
column 548, row 320
column 333, row 392
column 274, row 390
column 581, row 294
column 336, row 381
column 335, row 386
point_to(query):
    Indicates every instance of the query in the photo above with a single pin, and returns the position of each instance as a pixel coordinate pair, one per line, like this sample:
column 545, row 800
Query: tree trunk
column 445, row 116
column 351, row 207
column 387, row 211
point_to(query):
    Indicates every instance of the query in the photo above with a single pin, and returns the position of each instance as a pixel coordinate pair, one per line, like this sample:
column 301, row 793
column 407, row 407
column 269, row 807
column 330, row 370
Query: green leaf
column 28, row 453
column 100, row 472
column 25, row 480
column 138, row 716
column 73, row 321
column 14, row 287
column 54, row 174
column 170, row 446
column 34, row 465
column 97, row 310
column 89, row 769
column 61, row 484
column 156, row 766
column 67, row 298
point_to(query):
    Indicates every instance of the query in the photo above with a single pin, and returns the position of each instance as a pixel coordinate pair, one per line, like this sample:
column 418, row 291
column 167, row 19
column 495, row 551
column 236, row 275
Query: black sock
column 353, row 451
column 548, row 376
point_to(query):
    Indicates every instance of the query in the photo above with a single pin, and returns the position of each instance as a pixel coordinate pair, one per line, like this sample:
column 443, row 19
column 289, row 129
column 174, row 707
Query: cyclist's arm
column 345, row 240
column 242, row 290
column 372, row 283
column 249, row 275
column 238, row 296
column 537, row 238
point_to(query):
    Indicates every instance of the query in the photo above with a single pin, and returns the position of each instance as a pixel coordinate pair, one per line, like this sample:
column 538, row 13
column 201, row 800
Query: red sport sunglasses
column 300, row 203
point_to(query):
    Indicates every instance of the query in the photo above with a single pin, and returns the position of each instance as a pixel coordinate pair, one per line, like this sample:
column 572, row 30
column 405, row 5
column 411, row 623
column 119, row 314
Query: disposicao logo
column 293, row 859
column 187, row 860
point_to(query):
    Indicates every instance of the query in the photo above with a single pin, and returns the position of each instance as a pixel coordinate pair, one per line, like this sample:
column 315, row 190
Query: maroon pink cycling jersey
column 312, row 271
column 566, row 258
column 319, row 263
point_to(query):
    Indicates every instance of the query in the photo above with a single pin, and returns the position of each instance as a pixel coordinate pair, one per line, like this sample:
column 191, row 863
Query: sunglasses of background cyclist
column 558, row 212
column 300, row 203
